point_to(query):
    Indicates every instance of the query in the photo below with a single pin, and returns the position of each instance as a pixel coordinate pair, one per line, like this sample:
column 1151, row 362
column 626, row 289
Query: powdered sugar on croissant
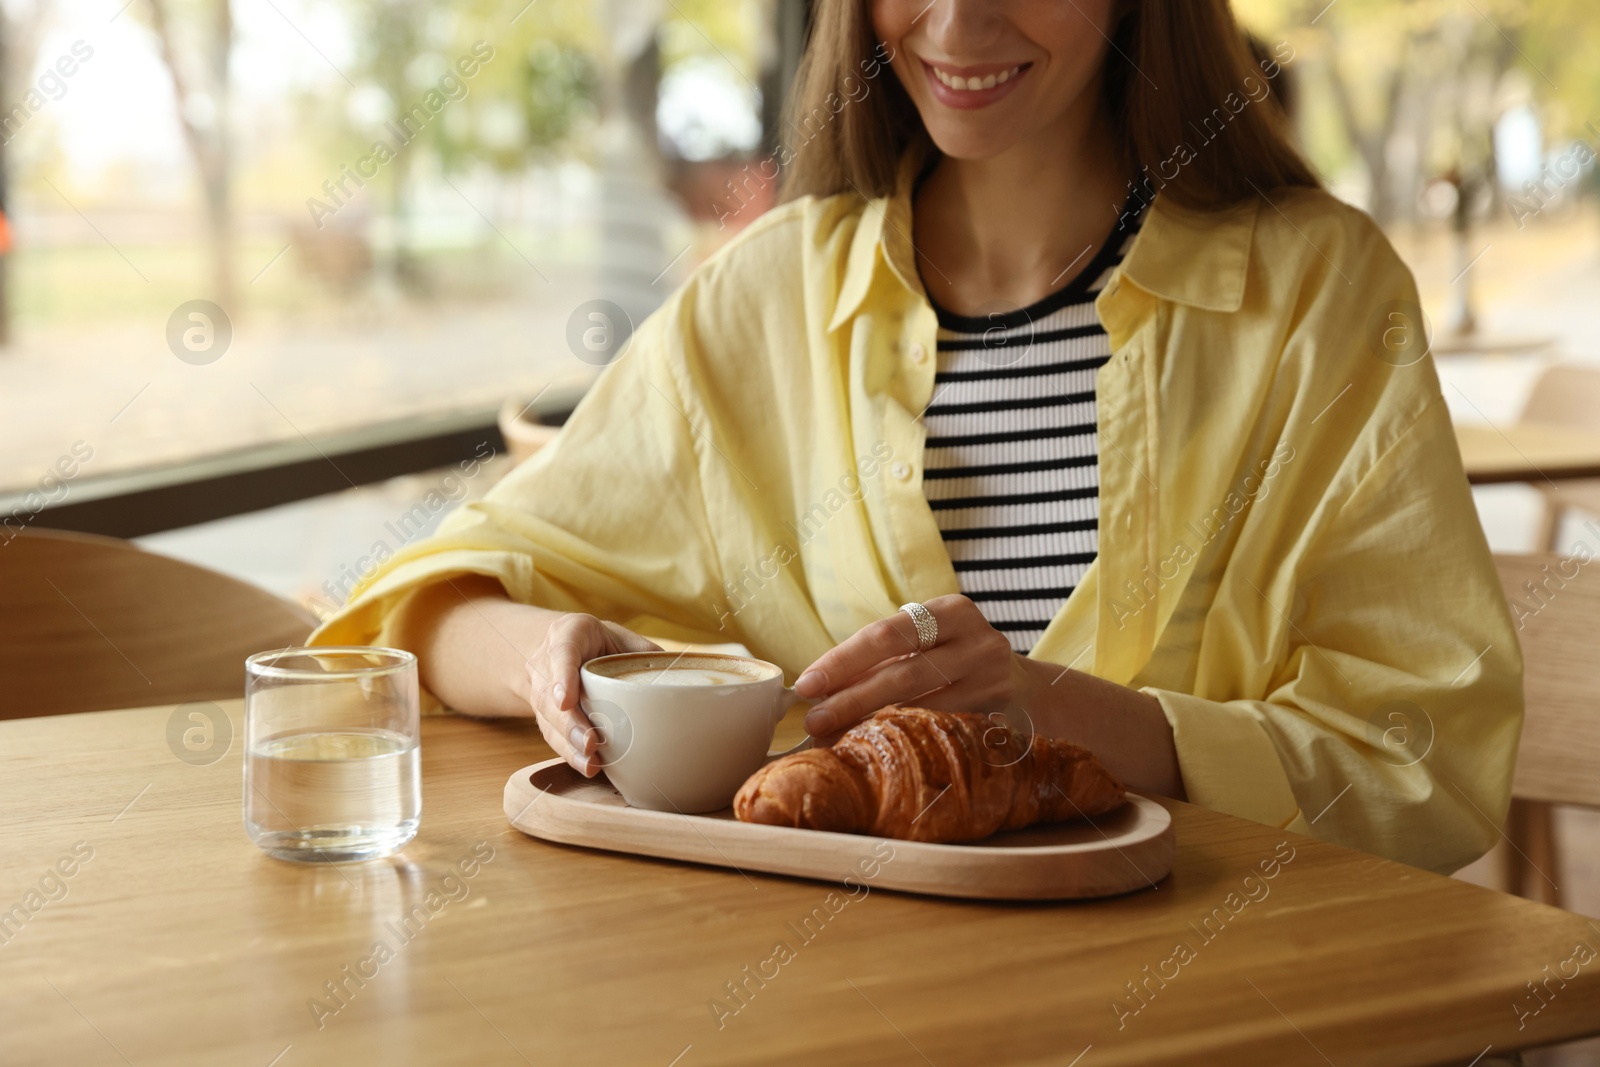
column 921, row 775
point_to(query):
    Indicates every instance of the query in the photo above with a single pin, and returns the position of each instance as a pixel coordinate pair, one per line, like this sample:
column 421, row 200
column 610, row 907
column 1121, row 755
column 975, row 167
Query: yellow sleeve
column 1391, row 720
column 609, row 519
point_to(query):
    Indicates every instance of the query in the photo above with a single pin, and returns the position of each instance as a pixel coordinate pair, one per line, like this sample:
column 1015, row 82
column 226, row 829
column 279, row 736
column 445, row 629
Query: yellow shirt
column 1290, row 560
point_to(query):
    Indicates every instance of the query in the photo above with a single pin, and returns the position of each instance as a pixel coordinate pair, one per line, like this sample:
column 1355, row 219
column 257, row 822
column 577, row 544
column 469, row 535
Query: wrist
column 521, row 686
column 1028, row 695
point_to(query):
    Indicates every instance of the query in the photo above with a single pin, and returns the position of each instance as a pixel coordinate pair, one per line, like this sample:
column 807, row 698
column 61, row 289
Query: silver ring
column 927, row 625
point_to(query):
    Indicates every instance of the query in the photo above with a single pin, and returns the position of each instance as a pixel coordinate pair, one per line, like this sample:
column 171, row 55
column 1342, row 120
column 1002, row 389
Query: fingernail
column 559, row 691
column 811, row 683
column 818, row 721
column 580, row 739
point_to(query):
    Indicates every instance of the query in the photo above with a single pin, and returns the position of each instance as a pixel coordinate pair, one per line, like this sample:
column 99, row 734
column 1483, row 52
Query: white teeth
column 956, row 81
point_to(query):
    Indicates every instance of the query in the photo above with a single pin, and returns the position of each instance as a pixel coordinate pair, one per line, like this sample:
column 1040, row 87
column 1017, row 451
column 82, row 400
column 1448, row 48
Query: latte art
column 679, row 671
column 686, row 676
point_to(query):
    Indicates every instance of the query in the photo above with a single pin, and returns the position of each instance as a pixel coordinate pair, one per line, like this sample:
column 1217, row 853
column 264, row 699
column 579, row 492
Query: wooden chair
column 1566, row 394
column 1559, row 759
column 89, row 623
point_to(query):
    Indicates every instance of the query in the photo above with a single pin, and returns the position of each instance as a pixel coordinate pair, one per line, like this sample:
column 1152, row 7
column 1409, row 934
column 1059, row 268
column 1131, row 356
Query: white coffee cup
column 682, row 731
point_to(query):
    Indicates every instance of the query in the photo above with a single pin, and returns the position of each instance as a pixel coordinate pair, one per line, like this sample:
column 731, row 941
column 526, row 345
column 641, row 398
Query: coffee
column 672, row 669
column 686, row 676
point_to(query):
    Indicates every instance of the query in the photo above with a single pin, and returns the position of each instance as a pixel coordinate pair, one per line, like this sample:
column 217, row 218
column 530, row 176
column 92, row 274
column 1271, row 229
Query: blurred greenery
column 1562, row 38
column 537, row 99
column 1397, row 93
column 534, row 102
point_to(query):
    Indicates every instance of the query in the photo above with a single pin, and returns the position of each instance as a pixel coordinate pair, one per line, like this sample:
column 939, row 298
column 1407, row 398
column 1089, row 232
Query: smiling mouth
column 975, row 82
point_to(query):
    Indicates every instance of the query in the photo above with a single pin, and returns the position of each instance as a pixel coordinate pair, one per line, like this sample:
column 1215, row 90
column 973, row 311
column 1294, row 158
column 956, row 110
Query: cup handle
column 786, row 700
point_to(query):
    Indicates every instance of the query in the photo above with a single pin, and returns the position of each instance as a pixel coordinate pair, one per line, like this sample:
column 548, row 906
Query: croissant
column 920, row 775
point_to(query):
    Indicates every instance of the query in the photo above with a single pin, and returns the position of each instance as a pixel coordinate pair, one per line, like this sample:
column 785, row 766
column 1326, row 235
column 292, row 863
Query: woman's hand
column 971, row 668
column 554, row 684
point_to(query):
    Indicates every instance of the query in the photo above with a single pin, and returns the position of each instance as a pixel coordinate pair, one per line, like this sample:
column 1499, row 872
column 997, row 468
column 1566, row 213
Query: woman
column 1057, row 336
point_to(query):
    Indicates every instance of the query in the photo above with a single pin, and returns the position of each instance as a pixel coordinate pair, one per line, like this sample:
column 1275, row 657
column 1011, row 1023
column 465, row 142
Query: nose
column 962, row 28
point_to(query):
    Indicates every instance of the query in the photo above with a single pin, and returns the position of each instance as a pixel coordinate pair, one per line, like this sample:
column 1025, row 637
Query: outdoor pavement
column 126, row 395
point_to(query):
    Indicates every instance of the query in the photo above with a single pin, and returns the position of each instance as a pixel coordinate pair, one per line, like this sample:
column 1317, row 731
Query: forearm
column 1124, row 728
column 473, row 644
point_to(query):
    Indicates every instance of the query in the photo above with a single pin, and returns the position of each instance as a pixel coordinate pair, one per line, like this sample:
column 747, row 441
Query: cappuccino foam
column 687, row 676
column 683, row 670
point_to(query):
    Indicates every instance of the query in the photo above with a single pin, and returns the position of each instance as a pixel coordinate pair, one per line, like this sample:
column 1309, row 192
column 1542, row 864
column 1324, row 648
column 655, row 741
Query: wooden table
column 1527, row 452
column 178, row 943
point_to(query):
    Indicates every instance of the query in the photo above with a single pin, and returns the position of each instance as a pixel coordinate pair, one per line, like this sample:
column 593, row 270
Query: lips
column 967, row 88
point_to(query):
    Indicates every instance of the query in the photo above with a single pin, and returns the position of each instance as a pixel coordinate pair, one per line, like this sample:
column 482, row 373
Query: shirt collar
column 1199, row 258
column 1187, row 257
column 882, row 240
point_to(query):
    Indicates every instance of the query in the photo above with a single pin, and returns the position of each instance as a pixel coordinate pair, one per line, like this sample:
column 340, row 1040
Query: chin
column 970, row 141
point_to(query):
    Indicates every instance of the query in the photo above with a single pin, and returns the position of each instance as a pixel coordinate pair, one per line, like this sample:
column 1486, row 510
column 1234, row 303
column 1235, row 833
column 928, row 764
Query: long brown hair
column 1193, row 108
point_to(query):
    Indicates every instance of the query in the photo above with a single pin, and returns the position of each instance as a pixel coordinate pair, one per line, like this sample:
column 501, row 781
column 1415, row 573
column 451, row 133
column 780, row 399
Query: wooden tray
column 1129, row 849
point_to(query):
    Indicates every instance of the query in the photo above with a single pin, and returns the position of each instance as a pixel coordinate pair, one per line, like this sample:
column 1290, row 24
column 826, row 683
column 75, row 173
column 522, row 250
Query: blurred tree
column 1413, row 85
column 200, row 92
column 559, row 86
column 537, row 107
column 393, row 36
column 25, row 24
column 539, row 97
column 21, row 28
column 533, row 84
column 1370, row 123
column 1561, row 46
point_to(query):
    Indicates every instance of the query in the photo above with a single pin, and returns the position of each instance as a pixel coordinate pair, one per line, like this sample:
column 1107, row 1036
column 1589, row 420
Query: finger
column 826, row 740
column 899, row 682
column 573, row 727
column 567, row 655
column 965, row 696
column 559, row 704
column 568, row 731
column 584, row 764
column 542, row 677
column 538, row 668
column 857, row 654
column 627, row 641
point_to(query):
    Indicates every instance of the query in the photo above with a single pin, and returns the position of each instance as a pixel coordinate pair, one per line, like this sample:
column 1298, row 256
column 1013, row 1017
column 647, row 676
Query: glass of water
column 332, row 769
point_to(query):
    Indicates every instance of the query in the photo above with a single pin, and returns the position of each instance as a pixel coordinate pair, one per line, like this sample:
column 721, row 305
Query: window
column 240, row 236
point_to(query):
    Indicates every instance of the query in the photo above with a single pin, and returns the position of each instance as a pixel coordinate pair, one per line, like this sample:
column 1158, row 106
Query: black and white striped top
column 1012, row 459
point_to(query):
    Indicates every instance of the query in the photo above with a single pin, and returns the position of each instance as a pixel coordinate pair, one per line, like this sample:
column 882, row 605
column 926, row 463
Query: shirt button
column 919, row 354
column 901, row 471
column 1127, row 522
